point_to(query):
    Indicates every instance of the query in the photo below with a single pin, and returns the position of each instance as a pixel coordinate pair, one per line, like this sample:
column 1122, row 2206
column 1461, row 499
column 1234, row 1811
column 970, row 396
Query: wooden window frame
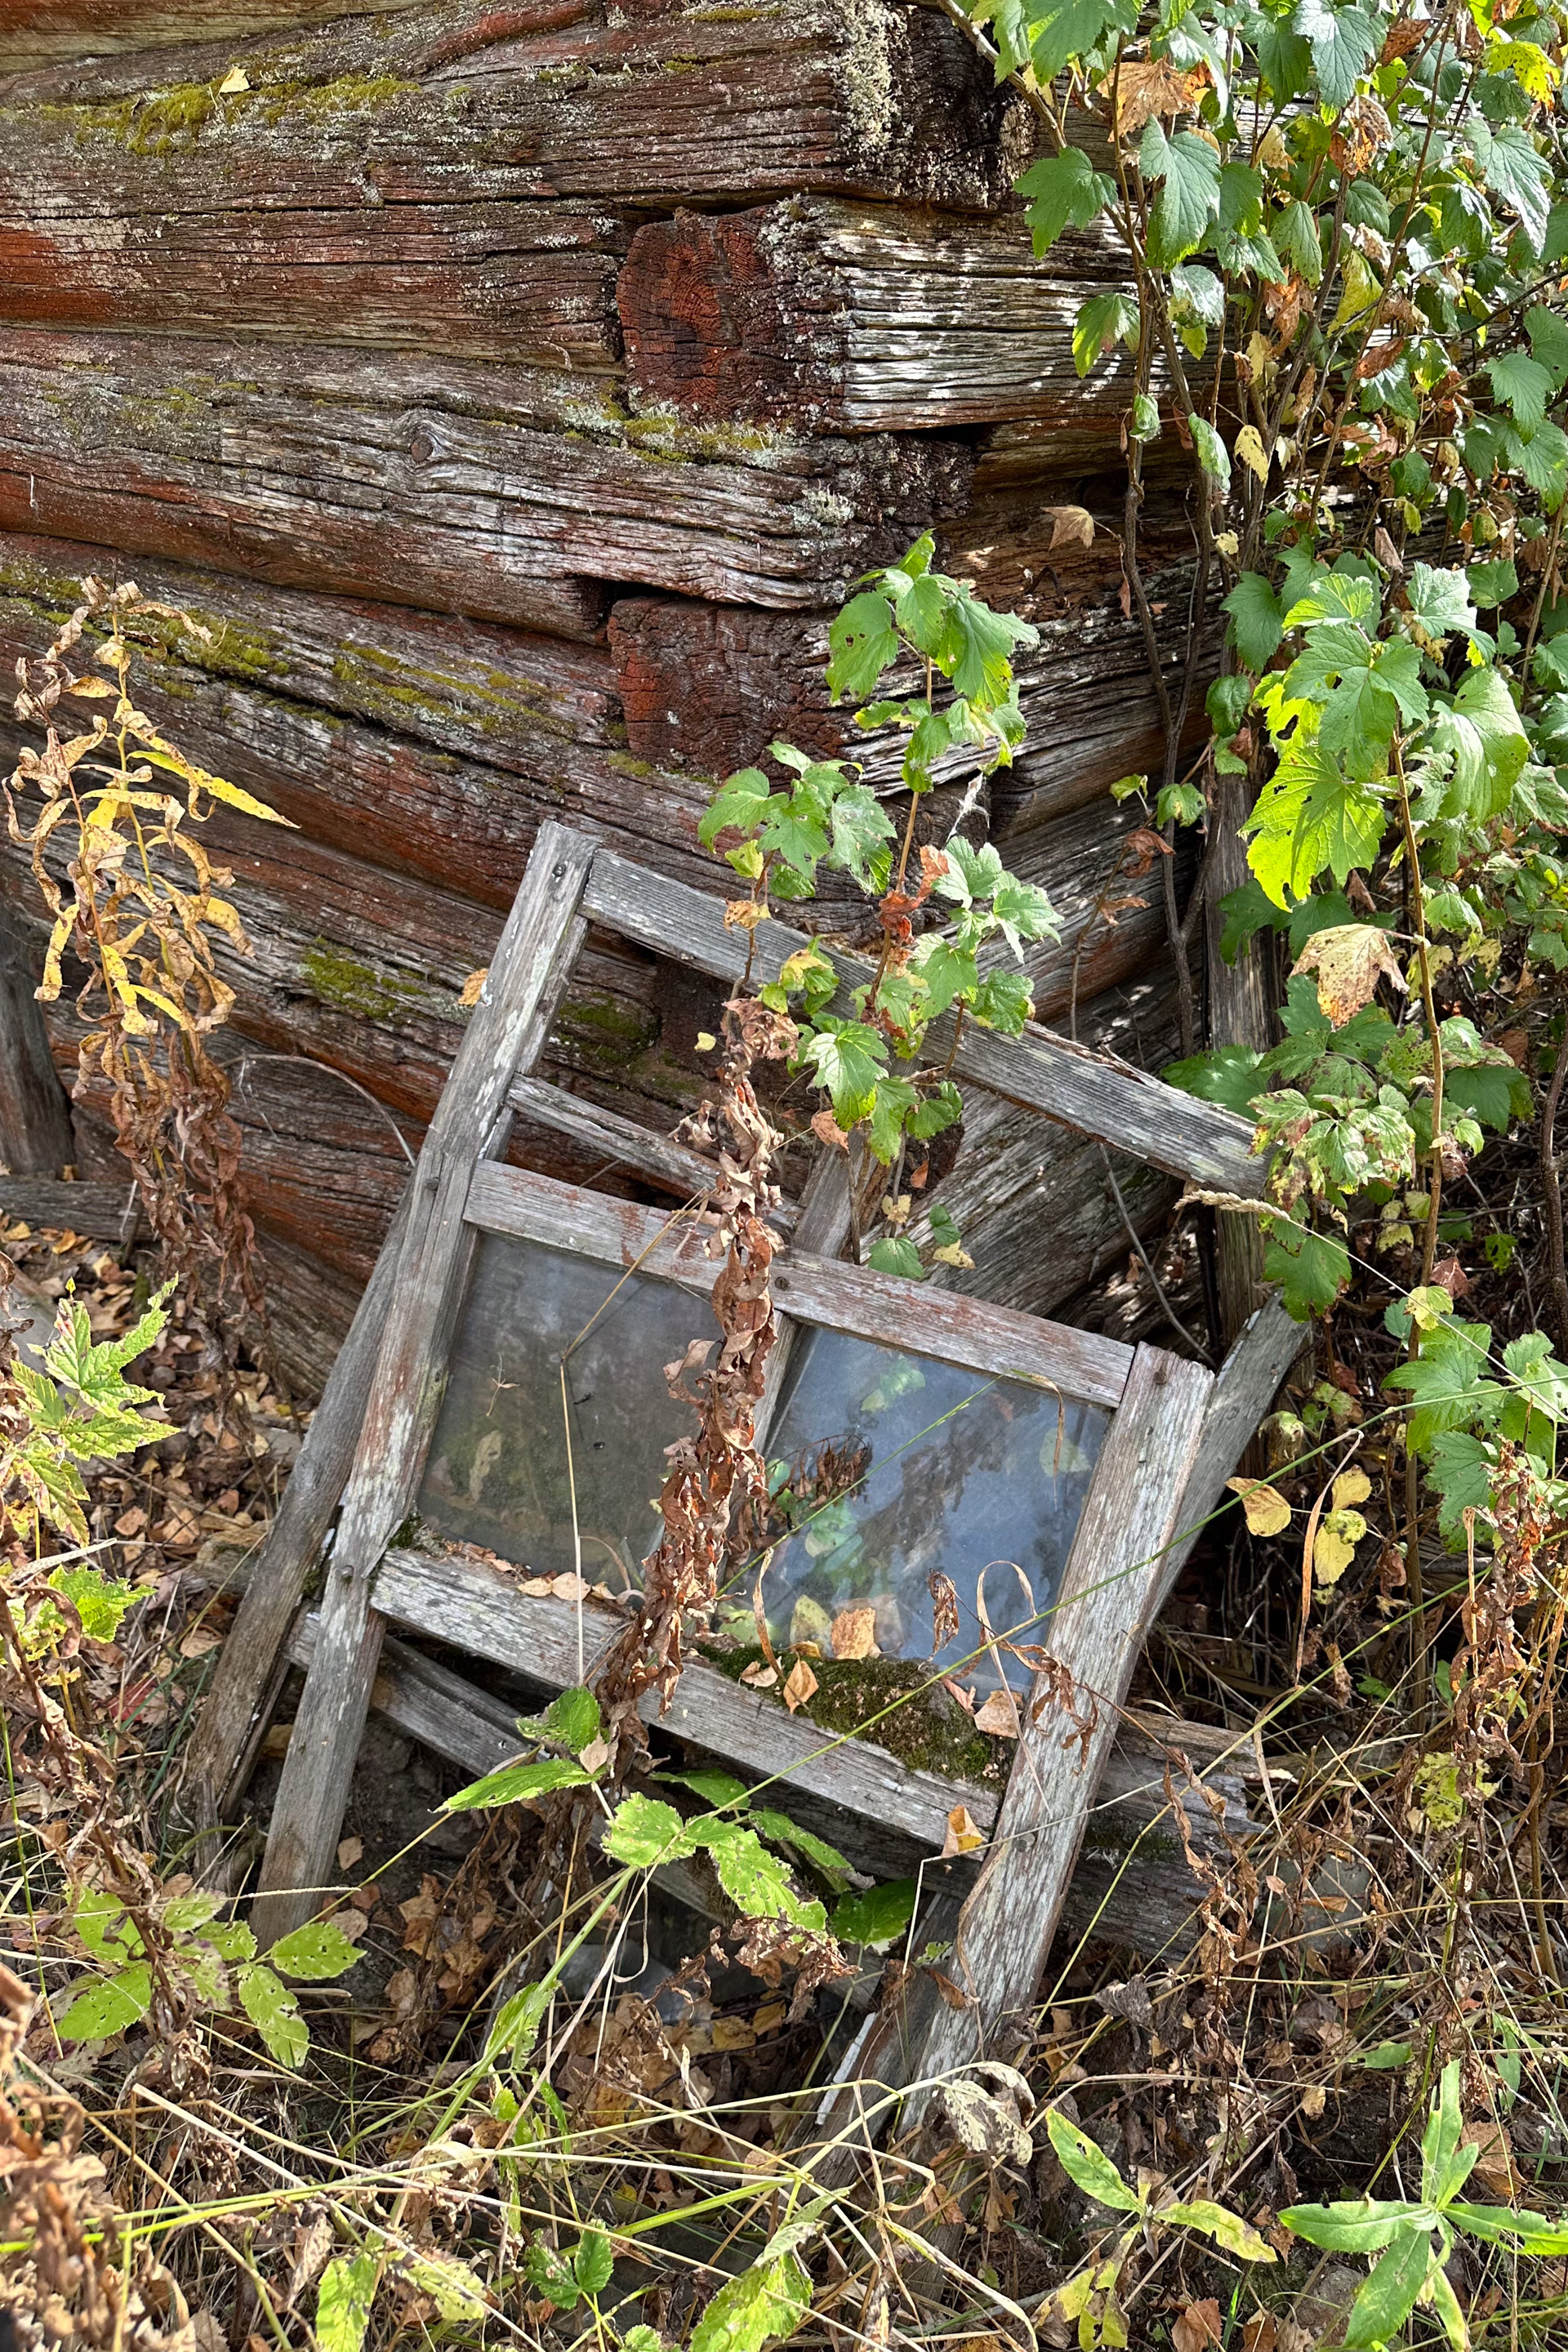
column 1174, row 1433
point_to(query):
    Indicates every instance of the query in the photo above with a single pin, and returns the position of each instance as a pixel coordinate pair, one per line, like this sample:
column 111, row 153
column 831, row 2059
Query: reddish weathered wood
column 532, row 964
column 432, row 482
column 463, row 101
column 531, row 283
column 866, row 318
column 34, row 33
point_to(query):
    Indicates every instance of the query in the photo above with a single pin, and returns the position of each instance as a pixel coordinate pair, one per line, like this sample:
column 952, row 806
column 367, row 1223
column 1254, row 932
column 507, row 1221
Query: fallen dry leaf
column 963, row 1833
column 474, row 988
column 1494, row 2165
column 1143, row 89
column 799, row 1686
column 943, row 1610
column 854, row 1634
column 826, row 1130
column 1197, row 2326
column 349, row 1851
column 999, row 1716
column 198, row 1642
column 1268, row 1512
column 1351, row 1487
column 1070, row 527
column 1349, row 959
column 759, row 1676
column 276, row 1743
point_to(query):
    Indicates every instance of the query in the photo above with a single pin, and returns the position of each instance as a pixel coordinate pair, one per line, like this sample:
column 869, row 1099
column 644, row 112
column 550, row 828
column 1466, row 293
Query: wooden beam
column 883, row 1307
column 625, row 1144
column 99, row 1212
column 34, row 33
column 34, row 1117
column 1119, row 1104
column 867, row 318
column 1244, row 1388
column 1147, row 1903
column 507, row 1026
column 1096, row 1633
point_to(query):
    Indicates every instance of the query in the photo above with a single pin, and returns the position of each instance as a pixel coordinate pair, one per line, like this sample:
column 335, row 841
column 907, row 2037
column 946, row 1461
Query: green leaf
column 550, row 2276
column 103, row 1922
column 1101, row 322
column 1023, row 911
column 101, row 1602
column 1358, row 2226
column 878, row 1915
column 451, row 2285
column 645, row 1832
column 1003, row 1001
column 895, row 1099
column 1226, row 2229
column 1344, row 42
column 517, row 1784
column 232, row 1942
column 1386, row 2055
column 108, row 2006
column 848, row 1058
column 1187, row 170
column 275, row 2013
column 1089, row 2166
column 1499, row 2223
column 770, row 2299
column 1493, row 583
column 316, row 1951
column 1483, row 735
column 593, row 2262
column 1441, row 601
column 1311, row 1269
column 1145, row 425
column 1228, row 1075
column 1311, row 818
column 572, row 1719
column 806, row 1843
column 717, row 1789
column 1213, row 455
column 1445, row 2130
column 1295, row 232
column 739, row 801
column 1062, row 188
column 342, row 2302
column 1257, row 624
column 1388, row 2299
column 860, row 828
column 1495, row 1093
column 1513, row 169
column 945, row 971
column 1523, row 384
column 862, row 644
column 895, row 1254
column 1548, row 342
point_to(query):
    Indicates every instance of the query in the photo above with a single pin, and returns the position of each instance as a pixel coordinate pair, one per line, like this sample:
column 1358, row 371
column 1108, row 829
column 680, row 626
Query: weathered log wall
column 512, row 393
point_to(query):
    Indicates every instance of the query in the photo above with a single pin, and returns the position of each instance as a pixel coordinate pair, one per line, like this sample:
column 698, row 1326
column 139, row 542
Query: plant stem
column 1551, row 1184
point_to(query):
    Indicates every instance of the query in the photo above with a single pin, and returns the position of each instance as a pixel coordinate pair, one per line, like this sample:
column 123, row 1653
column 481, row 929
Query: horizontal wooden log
column 866, row 319
column 1038, row 1071
column 463, row 101
column 99, row 1212
column 529, row 284
column 34, row 33
column 1132, row 1883
column 430, row 482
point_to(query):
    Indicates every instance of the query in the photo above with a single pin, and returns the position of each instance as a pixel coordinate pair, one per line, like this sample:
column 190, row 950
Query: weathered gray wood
column 664, row 1162
column 34, row 1117
column 882, row 1307
column 234, row 1704
column 527, row 975
column 480, row 1609
column 1147, row 1901
column 1039, row 1071
column 1096, row 1631
column 867, row 317
column 1245, row 1387
column 99, row 1212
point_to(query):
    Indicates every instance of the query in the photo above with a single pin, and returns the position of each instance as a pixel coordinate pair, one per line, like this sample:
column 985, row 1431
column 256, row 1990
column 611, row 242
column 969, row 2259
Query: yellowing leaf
column 705, row 1041
column 853, row 1634
column 1333, row 1549
column 1351, row 1487
column 1249, row 448
column 1268, row 1512
column 1349, row 959
column 1427, row 1305
column 963, row 1833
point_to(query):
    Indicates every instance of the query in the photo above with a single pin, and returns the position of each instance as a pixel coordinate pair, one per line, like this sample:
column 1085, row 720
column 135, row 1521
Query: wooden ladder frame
column 1175, row 1434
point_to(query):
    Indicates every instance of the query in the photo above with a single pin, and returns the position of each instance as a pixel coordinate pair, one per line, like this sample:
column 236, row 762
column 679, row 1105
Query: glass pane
column 885, row 1466
column 499, row 1472
column 898, row 1466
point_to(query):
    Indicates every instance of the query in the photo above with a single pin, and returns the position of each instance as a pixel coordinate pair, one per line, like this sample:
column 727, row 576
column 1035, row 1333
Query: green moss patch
column 915, row 1719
